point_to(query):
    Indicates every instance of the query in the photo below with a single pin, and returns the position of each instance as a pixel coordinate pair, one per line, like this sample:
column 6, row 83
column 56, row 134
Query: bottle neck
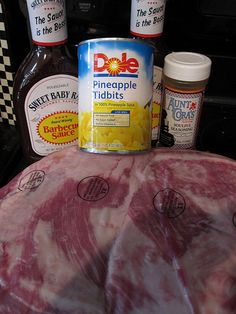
column 147, row 18
column 55, row 52
column 50, row 44
column 47, row 22
column 41, row 47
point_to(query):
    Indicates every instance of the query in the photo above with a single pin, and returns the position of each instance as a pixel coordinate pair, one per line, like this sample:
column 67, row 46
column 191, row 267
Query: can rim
column 104, row 39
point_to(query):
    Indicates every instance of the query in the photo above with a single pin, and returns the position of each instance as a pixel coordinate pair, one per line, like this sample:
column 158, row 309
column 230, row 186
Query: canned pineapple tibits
column 115, row 95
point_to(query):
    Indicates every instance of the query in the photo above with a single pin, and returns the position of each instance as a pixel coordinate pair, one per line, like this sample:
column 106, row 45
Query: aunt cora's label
column 182, row 112
column 115, row 95
column 52, row 114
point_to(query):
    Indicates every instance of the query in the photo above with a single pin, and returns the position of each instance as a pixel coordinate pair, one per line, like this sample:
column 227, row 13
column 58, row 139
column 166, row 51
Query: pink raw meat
column 153, row 233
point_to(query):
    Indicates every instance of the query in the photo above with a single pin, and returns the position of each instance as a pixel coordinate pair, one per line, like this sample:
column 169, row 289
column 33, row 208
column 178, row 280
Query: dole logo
column 115, row 66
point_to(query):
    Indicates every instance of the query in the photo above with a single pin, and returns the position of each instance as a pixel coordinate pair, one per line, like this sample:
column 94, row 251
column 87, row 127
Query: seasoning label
column 115, row 95
column 52, row 114
column 156, row 104
column 182, row 112
column 47, row 21
column 147, row 18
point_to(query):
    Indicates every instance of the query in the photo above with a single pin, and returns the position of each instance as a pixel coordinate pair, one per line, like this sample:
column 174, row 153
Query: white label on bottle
column 147, row 18
column 182, row 112
column 156, row 102
column 51, row 109
column 47, row 21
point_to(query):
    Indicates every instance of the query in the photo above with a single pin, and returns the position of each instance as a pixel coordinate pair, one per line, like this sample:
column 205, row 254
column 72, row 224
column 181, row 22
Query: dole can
column 115, row 95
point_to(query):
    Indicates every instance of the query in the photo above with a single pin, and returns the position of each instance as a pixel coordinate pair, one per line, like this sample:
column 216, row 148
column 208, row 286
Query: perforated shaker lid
column 187, row 66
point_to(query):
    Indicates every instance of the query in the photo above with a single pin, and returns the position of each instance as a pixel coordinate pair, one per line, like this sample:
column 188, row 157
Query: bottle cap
column 187, row 66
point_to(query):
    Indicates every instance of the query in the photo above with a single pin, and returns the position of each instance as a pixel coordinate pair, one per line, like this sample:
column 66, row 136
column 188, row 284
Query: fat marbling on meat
column 93, row 234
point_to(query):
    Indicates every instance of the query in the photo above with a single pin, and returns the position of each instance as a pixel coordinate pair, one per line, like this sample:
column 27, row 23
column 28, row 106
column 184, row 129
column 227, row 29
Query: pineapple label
column 51, row 109
column 115, row 95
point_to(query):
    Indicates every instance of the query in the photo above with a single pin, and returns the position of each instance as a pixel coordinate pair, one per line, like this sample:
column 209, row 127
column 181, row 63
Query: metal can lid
column 187, row 66
column 114, row 39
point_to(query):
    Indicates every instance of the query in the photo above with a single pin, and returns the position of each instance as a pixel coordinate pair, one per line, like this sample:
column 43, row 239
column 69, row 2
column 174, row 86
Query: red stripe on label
column 57, row 43
column 146, row 35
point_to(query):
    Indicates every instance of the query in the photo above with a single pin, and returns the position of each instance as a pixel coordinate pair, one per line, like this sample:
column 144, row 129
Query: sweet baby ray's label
column 51, row 110
column 115, row 95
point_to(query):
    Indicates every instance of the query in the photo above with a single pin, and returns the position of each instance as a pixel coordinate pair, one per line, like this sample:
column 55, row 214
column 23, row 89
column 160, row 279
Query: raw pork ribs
column 92, row 234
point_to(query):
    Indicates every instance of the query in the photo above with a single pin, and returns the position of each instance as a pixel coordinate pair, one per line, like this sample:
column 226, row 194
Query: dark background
column 204, row 26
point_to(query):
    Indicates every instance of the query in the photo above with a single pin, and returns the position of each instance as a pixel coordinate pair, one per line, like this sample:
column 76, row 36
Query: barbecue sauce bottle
column 146, row 23
column 45, row 91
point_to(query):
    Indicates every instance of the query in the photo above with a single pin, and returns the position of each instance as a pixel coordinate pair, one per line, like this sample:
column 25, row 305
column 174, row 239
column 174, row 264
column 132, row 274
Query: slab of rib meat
column 87, row 233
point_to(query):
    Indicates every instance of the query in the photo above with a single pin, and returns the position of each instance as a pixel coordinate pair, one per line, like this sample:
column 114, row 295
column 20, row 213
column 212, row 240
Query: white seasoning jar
column 185, row 76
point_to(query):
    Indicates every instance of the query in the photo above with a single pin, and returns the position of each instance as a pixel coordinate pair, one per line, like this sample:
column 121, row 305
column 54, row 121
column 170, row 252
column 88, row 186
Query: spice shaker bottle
column 185, row 76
